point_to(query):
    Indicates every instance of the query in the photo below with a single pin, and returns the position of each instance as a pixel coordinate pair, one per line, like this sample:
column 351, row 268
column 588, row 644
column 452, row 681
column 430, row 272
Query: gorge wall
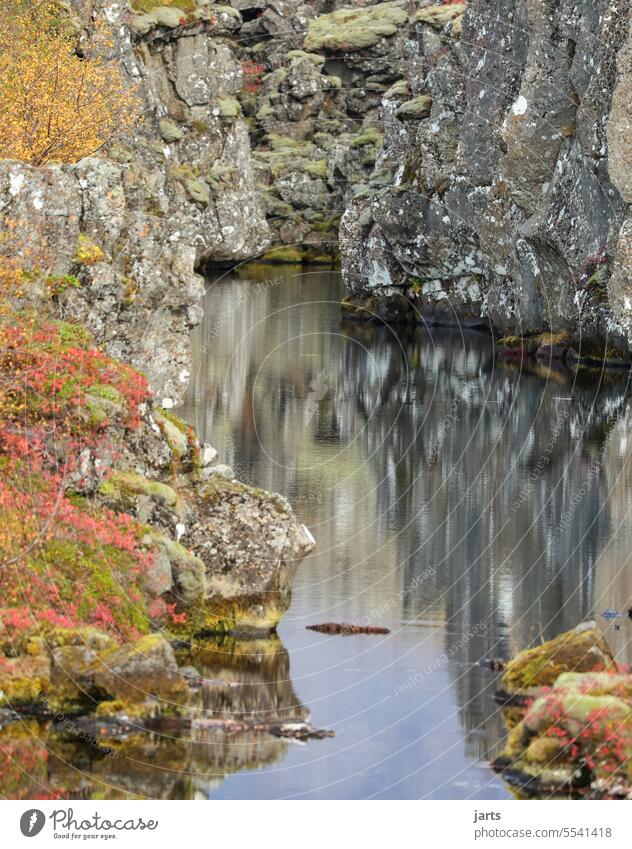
column 508, row 189
column 482, row 157
column 132, row 222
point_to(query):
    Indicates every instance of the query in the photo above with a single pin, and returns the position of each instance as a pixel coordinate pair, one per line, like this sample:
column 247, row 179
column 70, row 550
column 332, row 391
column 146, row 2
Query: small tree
column 58, row 103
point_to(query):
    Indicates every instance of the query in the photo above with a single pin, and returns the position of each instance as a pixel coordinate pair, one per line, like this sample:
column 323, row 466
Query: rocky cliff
column 153, row 206
column 502, row 189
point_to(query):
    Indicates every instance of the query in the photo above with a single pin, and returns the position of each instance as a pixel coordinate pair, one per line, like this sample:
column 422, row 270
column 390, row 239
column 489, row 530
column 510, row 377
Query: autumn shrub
column 63, row 561
column 59, row 102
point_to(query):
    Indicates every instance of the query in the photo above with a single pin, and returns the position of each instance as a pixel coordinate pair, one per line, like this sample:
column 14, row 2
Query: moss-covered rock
column 125, row 488
column 581, row 650
column 187, row 571
column 418, row 107
column 170, row 131
column 176, row 432
column 576, row 735
column 145, row 671
column 370, row 136
column 347, row 30
column 439, row 16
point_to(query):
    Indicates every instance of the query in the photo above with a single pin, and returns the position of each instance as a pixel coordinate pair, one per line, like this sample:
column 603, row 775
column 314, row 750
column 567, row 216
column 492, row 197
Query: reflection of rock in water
column 248, row 681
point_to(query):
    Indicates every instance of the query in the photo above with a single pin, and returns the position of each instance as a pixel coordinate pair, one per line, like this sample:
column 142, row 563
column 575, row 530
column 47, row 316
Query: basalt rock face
column 151, row 207
column 314, row 76
column 509, row 184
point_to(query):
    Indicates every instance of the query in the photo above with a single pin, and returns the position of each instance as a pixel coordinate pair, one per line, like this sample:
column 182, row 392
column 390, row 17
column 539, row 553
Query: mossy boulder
column 415, row 109
column 187, row 573
column 250, row 569
column 176, row 432
column 576, row 734
column 439, row 16
column 347, row 30
column 132, row 492
column 581, row 650
column 69, row 671
column 143, row 672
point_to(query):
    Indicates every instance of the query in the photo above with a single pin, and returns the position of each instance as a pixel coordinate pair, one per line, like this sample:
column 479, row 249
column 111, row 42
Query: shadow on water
column 471, row 506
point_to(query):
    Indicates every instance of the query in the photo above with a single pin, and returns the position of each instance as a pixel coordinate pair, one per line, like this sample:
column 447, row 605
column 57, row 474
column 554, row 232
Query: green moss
column 228, row 106
column 439, row 16
column 418, row 107
column 170, row 131
column 544, row 750
column 183, row 172
column 198, row 191
column 247, row 613
column 316, row 168
column 177, row 432
column 188, row 569
column 220, row 174
column 399, row 89
column 288, row 255
column 266, row 111
column 97, row 568
column 122, row 487
column 370, row 136
column 581, row 650
column 201, row 127
column 354, row 29
column 286, row 143
column 314, row 58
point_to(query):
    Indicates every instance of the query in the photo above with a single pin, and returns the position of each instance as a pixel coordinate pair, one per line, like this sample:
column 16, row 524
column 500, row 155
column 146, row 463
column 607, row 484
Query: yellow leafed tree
column 58, row 103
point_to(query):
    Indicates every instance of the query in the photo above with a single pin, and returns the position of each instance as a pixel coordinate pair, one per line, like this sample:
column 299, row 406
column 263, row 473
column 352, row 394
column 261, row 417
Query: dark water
column 473, row 507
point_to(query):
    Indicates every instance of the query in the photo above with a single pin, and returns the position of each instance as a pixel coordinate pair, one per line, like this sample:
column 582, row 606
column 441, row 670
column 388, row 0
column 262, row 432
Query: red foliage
column 61, row 561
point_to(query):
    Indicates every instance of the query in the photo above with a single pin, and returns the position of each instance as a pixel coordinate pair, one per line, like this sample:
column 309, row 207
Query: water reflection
column 472, row 505
column 246, row 685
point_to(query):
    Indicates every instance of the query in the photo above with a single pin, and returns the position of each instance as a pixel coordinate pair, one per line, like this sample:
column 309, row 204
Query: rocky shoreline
column 568, row 710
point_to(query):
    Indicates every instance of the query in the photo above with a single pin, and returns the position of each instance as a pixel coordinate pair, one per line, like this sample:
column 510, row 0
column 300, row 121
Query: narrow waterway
column 471, row 506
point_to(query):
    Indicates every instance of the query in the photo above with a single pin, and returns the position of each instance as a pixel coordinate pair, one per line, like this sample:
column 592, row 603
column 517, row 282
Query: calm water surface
column 473, row 507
